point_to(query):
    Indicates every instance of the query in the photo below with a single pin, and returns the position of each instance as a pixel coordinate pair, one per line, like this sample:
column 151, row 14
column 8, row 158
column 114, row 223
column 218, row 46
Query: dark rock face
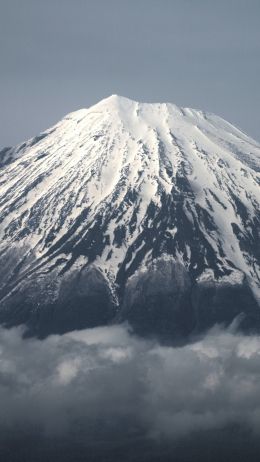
column 83, row 299
column 157, row 301
column 163, row 301
column 222, row 302
column 160, row 300
column 5, row 156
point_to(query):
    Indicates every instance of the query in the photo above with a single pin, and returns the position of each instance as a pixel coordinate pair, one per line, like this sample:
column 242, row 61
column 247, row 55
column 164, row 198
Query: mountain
column 131, row 211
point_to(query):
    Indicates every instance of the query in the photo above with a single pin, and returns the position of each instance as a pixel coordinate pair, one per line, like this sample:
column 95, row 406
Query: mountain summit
column 131, row 211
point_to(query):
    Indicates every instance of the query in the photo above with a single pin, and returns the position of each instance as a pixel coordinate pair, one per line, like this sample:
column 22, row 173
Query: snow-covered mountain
column 126, row 210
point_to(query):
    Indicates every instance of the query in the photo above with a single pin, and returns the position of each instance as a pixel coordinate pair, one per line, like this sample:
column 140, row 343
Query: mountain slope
column 112, row 197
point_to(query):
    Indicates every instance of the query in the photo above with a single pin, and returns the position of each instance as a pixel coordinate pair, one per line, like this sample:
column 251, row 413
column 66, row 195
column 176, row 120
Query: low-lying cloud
column 106, row 382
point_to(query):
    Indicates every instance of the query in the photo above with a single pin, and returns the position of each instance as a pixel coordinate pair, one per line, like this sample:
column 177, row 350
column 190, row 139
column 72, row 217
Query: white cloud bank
column 105, row 381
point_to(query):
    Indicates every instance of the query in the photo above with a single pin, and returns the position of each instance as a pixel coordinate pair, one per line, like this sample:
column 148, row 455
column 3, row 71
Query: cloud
column 107, row 383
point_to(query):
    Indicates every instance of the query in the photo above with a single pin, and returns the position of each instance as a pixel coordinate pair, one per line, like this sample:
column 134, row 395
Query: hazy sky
column 57, row 56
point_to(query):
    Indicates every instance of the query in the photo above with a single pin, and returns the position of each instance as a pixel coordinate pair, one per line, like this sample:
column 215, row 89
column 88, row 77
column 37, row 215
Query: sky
column 57, row 56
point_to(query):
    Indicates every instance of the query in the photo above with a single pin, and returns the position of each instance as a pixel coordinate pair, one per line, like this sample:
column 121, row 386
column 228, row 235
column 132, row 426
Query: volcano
column 127, row 211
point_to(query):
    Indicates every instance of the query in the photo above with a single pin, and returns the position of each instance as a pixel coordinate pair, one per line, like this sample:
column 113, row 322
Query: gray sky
column 57, row 56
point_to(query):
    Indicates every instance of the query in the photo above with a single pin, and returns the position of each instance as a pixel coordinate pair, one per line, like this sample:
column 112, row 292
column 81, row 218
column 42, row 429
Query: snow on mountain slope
column 121, row 184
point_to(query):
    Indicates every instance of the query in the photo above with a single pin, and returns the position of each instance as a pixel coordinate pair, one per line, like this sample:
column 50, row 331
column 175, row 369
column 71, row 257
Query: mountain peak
column 123, row 189
column 117, row 98
column 126, row 108
column 115, row 102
